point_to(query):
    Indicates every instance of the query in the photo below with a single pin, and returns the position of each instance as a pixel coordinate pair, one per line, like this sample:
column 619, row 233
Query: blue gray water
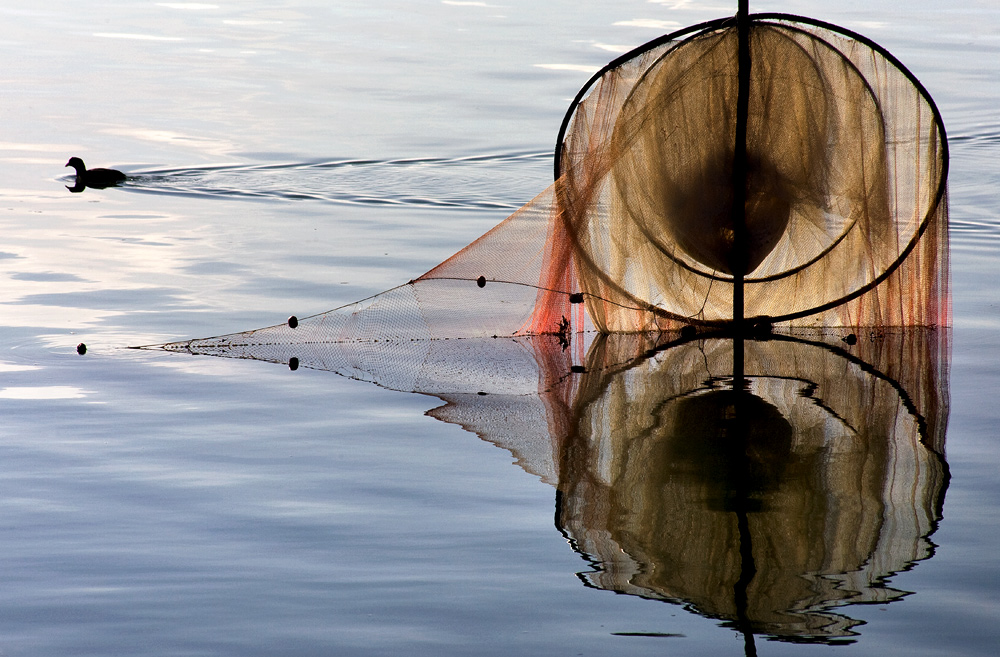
column 293, row 157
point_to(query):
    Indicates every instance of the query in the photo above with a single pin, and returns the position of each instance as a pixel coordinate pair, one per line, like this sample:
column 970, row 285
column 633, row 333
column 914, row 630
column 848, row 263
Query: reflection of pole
column 742, row 491
column 748, row 568
column 739, row 382
column 739, row 182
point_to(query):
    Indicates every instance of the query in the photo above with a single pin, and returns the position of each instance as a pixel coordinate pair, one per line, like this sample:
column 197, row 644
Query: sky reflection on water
column 159, row 504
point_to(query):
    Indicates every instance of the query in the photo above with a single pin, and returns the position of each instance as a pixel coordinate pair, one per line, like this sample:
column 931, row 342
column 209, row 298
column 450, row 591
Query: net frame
column 899, row 304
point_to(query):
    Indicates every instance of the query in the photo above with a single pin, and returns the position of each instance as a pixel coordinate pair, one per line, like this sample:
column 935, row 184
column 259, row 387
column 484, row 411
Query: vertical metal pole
column 739, row 185
column 739, row 181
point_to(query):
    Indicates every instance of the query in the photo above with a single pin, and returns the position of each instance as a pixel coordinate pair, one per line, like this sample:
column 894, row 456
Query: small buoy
column 293, row 363
column 576, row 297
column 293, row 321
column 578, row 369
column 81, row 349
column 851, row 339
column 481, row 281
column 481, row 393
column 688, row 331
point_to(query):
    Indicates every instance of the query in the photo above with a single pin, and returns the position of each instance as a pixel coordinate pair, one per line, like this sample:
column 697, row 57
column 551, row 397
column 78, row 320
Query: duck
column 96, row 178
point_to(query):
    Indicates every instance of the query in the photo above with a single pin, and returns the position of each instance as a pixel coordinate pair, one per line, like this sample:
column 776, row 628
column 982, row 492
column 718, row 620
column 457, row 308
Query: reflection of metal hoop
column 587, row 486
column 861, row 364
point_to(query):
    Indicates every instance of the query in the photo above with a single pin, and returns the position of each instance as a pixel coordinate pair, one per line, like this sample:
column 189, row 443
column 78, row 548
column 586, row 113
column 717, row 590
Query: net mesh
column 845, row 208
column 845, row 213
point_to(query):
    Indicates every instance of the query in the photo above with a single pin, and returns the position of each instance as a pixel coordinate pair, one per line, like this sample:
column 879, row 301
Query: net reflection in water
column 832, row 456
column 835, row 464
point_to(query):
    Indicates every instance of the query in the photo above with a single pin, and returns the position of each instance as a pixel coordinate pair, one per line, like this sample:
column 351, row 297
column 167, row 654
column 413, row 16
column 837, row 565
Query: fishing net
column 844, row 220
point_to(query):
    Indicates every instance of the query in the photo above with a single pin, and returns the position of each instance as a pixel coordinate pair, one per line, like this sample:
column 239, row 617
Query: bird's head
column 76, row 163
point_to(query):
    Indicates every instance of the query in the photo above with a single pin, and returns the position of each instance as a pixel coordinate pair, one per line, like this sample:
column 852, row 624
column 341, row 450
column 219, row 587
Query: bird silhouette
column 96, row 178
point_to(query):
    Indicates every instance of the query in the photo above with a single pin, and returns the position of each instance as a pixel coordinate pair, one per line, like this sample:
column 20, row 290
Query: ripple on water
column 488, row 181
column 973, row 183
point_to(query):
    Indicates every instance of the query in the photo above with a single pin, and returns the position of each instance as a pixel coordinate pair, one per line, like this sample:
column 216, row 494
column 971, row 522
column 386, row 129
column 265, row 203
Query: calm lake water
column 290, row 157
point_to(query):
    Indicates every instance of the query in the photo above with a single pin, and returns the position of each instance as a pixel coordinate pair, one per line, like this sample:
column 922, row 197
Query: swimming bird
column 96, row 178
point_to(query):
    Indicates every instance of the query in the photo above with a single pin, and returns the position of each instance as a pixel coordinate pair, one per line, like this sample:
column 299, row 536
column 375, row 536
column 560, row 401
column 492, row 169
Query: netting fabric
column 846, row 220
column 845, row 204
column 820, row 456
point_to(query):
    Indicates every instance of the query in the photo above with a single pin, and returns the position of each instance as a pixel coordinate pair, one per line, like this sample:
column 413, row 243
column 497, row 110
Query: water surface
column 290, row 158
